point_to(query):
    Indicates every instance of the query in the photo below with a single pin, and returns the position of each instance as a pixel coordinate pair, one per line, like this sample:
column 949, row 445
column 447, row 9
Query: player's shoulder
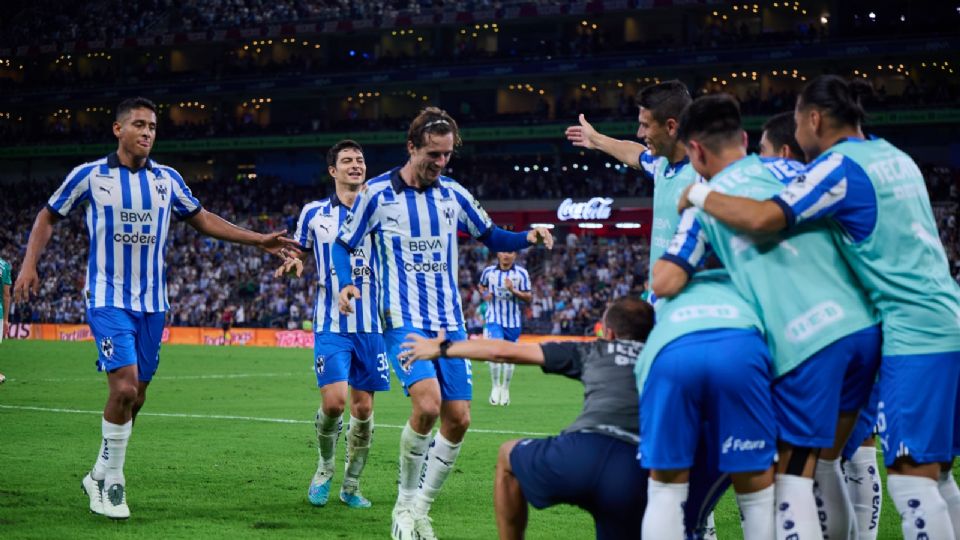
column 161, row 169
column 88, row 167
column 378, row 185
column 452, row 184
column 830, row 163
column 489, row 268
column 315, row 205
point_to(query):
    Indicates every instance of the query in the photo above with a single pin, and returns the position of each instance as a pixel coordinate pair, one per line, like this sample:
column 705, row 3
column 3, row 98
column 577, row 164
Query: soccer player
column 592, row 463
column 415, row 214
column 129, row 199
column 860, row 471
column 777, row 139
column 506, row 287
column 661, row 158
column 4, row 303
column 825, row 341
column 348, row 349
column 704, row 378
column 873, row 197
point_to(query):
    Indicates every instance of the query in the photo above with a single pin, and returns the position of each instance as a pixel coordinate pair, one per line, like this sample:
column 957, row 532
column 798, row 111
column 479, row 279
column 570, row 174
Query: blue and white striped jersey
column 128, row 217
column 415, row 237
column 504, row 308
column 317, row 231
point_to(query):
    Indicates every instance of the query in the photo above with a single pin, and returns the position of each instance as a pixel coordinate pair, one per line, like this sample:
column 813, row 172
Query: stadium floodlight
column 590, row 225
column 543, row 225
column 627, row 225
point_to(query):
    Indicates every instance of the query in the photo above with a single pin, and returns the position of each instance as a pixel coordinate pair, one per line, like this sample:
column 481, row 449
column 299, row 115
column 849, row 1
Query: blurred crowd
column 571, row 284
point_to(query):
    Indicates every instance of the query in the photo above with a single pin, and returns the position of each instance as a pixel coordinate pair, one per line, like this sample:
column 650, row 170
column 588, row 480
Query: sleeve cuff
column 679, row 261
column 788, row 213
column 55, row 211
column 190, row 214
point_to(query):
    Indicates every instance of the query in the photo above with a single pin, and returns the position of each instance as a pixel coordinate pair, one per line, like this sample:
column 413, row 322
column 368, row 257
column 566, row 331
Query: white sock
column 113, row 452
column 663, row 517
column 507, row 374
column 328, row 433
column 710, row 528
column 757, row 514
column 923, row 512
column 796, row 508
column 413, row 453
column 359, row 438
column 495, row 370
column 863, row 484
column 440, row 459
column 834, row 507
column 951, row 495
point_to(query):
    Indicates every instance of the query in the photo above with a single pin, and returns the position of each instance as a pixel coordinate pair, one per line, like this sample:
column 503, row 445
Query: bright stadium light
column 590, row 225
column 627, row 225
column 542, row 225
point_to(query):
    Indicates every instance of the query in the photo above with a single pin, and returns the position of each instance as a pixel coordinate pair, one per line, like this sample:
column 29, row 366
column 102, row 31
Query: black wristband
column 444, row 345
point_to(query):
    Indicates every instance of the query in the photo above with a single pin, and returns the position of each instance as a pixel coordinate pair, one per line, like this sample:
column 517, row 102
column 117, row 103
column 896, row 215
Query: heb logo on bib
column 815, row 319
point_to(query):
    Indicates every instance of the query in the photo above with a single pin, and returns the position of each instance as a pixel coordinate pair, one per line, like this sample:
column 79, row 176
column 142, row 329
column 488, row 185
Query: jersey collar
column 113, row 161
column 674, row 168
column 399, row 185
column 335, row 201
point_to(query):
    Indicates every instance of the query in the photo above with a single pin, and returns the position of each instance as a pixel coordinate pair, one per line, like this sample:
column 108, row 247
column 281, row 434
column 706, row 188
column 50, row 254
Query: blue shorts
column 125, row 337
column 595, row 472
column 360, row 359
column 717, row 377
column 920, row 407
column 838, row 378
column 866, row 424
column 455, row 375
column 495, row 331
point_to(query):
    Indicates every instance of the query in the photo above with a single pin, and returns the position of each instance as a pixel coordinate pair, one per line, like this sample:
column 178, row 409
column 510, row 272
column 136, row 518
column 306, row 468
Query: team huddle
column 800, row 297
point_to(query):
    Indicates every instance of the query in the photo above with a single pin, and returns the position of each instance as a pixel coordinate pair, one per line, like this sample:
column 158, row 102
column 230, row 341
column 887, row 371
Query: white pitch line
column 254, row 419
column 180, row 377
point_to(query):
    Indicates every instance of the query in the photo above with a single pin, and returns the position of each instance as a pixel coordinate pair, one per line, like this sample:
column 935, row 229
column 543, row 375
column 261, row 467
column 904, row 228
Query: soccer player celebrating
column 860, row 472
column 704, row 379
column 129, row 199
column 348, row 349
column 825, row 342
column 873, row 198
column 592, row 464
column 506, row 288
column 415, row 214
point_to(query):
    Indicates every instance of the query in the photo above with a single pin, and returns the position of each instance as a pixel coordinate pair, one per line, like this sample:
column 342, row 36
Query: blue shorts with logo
column 718, row 378
column 495, row 331
column 838, row 378
column 593, row 471
column 455, row 375
column 125, row 337
column 866, row 424
column 358, row 358
column 919, row 411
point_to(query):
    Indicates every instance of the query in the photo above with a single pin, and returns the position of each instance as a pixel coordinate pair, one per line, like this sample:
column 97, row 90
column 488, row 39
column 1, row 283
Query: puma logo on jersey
column 105, row 190
column 395, row 220
column 325, row 228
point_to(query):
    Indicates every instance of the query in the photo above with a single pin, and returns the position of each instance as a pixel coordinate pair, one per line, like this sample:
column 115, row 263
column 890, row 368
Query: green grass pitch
column 225, row 447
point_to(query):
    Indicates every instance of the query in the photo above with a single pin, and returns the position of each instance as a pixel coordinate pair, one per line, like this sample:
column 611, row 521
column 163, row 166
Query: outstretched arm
column 27, row 280
column 418, row 347
column 584, row 135
column 213, row 225
column 741, row 213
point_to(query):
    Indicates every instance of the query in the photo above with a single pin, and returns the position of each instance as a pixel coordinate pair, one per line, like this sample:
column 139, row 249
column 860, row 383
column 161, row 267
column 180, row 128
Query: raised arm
column 27, row 280
column 584, row 135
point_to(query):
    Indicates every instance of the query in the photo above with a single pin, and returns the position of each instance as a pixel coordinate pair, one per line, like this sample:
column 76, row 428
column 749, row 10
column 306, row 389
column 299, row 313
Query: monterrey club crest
column 106, row 347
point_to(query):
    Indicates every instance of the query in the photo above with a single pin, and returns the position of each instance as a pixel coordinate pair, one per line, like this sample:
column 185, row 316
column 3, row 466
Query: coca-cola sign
column 595, row 208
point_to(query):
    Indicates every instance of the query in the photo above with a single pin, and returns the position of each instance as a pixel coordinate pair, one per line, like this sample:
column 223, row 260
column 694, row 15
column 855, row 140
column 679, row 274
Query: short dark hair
column 630, row 318
column 130, row 104
column 665, row 100
column 334, row 152
column 781, row 130
column 435, row 121
column 712, row 120
column 840, row 99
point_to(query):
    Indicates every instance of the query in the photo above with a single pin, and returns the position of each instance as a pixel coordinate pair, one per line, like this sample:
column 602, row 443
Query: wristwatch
column 444, row 345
